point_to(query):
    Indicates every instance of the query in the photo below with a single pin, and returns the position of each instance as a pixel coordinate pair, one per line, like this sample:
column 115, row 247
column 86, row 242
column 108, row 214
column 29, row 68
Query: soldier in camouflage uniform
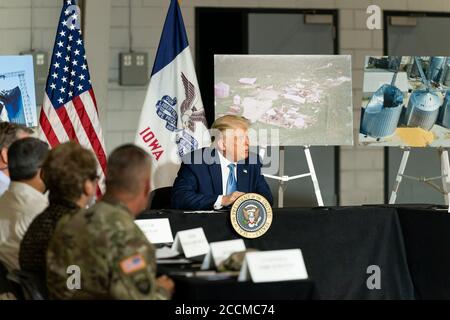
column 116, row 260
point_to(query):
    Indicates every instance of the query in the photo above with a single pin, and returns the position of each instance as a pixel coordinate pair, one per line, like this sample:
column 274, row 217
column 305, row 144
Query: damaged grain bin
column 446, row 75
column 444, row 114
column 437, row 69
column 423, row 109
column 381, row 116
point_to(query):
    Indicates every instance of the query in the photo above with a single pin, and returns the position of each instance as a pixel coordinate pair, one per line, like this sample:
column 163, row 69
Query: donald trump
column 214, row 177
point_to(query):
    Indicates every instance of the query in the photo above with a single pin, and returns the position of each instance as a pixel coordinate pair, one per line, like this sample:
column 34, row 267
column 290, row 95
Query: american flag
column 133, row 264
column 69, row 111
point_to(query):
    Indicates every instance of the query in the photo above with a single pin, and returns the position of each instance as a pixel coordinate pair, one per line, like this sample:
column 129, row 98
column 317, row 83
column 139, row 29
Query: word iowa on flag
column 172, row 121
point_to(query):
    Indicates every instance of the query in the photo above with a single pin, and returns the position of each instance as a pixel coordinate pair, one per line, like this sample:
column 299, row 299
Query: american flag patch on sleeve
column 133, row 264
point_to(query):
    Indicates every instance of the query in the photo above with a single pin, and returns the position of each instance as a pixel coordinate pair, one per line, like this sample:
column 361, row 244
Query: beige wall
column 96, row 36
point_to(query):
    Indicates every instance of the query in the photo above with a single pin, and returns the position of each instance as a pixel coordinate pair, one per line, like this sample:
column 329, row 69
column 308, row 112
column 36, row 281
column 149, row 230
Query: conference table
column 341, row 245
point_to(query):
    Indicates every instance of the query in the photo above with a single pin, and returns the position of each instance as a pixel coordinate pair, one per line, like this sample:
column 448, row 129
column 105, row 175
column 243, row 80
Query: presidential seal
column 251, row 215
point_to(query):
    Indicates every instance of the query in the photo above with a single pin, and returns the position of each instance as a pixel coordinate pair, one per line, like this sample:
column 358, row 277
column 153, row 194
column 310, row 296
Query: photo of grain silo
column 406, row 102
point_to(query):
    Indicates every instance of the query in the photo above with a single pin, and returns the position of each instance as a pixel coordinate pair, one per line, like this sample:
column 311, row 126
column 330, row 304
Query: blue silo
column 381, row 116
column 444, row 113
column 423, row 109
column 437, row 68
column 446, row 75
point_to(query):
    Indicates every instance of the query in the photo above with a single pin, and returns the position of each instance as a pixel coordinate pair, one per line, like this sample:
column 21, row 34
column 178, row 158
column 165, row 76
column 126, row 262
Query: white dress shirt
column 4, row 183
column 19, row 205
column 224, row 162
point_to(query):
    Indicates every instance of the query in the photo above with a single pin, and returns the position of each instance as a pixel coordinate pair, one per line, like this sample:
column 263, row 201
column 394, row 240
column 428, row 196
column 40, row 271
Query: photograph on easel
column 17, row 90
column 406, row 101
column 308, row 98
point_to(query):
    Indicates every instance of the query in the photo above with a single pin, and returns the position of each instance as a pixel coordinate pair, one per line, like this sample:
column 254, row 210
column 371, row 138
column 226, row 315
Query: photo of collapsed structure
column 406, row 102
column 308, row 98
column 17, row 96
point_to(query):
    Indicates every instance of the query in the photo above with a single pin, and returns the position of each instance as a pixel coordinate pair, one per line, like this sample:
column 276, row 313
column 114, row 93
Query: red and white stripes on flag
column 78, row 121
column 70, row 110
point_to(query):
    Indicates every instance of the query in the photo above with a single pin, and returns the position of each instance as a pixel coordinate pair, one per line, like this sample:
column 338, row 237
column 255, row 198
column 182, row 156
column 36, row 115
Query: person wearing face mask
column 114, row 257
column 215, row 177
column 70, row 175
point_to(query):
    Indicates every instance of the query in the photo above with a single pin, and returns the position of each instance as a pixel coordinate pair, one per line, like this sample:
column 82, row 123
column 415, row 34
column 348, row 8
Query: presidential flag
column 69, row 111
column 172, row 121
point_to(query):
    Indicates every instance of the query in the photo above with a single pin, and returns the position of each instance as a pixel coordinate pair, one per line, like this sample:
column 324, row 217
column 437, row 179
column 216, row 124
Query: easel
column 443, row 155
column 282, row 178
column 445, row 169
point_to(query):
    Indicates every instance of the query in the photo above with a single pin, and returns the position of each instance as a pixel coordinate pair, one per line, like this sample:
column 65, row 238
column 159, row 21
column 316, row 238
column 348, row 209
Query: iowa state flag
column 172, row 121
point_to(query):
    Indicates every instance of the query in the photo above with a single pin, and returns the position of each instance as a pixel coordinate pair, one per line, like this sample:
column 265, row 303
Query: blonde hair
column 227, row 122
column 230, row 122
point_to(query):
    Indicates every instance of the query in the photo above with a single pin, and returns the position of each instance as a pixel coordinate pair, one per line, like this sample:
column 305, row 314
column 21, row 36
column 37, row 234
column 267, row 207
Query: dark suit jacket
column 197, row 186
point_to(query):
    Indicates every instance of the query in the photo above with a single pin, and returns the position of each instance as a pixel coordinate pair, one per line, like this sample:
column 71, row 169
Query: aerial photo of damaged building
column 308, row 98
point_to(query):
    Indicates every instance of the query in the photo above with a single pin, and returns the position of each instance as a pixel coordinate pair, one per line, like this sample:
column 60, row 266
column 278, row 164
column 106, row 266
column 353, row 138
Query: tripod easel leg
column 313, row 176
column 281, row 183
column 445, row 175
column 399, row 177
column 284, row 179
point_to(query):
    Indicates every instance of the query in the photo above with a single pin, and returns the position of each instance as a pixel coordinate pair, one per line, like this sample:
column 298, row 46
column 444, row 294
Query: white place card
column 191, row 242
column 156, row 230
column 271, row 266
column 220, row 251
column 165, row 253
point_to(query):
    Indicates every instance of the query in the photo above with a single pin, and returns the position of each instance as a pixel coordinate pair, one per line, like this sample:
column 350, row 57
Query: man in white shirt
column 9, row 132
column 24, row 199
column 213, row 178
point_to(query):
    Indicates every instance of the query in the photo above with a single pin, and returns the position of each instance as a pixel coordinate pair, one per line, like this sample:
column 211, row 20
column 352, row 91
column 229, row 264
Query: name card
column 220, row 251
column 271, row 266
column 191, row 242
column 156, row 230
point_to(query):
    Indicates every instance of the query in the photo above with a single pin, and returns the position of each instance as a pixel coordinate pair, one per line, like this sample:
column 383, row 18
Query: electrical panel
column 134, row 69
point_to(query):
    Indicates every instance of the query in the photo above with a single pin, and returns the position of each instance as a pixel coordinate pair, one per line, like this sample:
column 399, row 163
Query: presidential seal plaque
column 251, row 215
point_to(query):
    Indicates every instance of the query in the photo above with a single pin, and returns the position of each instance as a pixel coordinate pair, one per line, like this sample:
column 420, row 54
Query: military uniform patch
column 251, row 215
column 132, row 264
